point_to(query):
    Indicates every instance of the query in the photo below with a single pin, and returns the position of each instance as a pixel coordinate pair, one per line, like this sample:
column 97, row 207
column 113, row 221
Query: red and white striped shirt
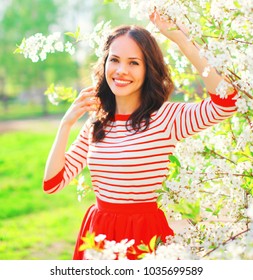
column 129, row 167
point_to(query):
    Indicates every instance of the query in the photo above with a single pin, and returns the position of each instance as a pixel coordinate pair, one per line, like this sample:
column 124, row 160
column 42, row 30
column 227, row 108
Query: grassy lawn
column 34, row 225
column 29, row 110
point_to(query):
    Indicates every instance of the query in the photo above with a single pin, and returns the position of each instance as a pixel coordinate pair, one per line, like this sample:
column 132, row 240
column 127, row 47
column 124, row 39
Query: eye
column 134, row 62
column 113, row 59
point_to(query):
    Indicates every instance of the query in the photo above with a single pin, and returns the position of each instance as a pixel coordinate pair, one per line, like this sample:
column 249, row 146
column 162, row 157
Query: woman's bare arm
column 85, row 102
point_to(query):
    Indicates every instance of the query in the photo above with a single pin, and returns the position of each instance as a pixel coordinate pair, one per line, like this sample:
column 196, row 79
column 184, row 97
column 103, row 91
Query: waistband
column 143, row 207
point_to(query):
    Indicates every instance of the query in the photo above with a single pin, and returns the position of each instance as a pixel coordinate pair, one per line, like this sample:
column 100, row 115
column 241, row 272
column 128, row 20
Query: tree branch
column 225, row 242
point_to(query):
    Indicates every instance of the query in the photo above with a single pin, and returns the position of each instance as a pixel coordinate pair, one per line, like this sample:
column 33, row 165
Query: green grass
column 29, row 110
column 34, row 225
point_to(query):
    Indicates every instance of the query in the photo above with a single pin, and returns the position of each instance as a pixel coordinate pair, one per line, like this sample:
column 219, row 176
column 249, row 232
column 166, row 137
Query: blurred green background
column 34, row 225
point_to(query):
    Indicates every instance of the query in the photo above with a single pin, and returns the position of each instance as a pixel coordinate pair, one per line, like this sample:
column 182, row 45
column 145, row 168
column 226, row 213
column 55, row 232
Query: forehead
column 125, row 46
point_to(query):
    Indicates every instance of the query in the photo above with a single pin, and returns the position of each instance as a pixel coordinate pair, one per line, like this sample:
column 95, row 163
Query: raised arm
column 191, row 118
column 178, row 34
column 56, row 161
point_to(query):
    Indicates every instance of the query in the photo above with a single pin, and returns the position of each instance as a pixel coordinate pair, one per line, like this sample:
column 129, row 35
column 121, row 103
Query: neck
column 125, row 106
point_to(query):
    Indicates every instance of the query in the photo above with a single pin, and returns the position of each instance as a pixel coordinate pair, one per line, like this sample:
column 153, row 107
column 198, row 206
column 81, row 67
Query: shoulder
column 167, row 111
column 168, row 106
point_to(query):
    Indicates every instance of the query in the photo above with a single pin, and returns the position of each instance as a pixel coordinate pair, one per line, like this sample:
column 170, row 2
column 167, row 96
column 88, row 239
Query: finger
column 88, row 108
column 80, row 111
column 84, row 95
column 87, row 102
column 83, row 110
column 92, row 102
column 88, row 89
column 152, row 16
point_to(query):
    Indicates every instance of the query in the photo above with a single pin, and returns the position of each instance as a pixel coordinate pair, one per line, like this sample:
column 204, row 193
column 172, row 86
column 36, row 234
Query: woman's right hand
column 171, row 29
column 85, row 102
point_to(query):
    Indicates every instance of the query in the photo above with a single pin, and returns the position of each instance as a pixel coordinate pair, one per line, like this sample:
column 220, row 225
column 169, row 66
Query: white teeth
column 122, row 82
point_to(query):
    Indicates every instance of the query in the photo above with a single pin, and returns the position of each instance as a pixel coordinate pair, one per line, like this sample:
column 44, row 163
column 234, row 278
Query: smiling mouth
column 121, row 82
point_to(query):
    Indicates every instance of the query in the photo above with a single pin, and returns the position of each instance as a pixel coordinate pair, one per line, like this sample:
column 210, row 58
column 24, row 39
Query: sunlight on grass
column 34, row 225
column 15, row 110
column 44, row 235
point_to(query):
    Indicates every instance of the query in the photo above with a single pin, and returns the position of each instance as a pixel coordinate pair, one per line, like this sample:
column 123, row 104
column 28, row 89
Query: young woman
column 126, row 147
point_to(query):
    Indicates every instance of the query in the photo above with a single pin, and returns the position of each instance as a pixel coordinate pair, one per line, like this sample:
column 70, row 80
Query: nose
column 122, row 69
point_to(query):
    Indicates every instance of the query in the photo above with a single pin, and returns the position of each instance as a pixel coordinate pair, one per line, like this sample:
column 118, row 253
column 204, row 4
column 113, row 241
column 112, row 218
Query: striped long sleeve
column 75, row 161
column 128, row 167
column 191, row 118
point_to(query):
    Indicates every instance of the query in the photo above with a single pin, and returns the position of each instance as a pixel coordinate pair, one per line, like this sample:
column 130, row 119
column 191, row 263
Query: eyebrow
column 128, row 57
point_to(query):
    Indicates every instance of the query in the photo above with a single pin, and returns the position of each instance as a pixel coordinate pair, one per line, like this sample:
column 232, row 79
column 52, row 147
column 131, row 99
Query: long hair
column 156, row 88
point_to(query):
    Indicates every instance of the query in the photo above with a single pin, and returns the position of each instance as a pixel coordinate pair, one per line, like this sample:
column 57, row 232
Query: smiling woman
column 127, row 141
column 125, row 74
column 132, row 55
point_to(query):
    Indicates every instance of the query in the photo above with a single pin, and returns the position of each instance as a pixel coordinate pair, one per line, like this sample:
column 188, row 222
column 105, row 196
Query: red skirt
column 138, row 221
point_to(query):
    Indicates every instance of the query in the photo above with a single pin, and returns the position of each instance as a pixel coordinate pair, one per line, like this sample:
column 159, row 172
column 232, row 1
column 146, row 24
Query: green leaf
column 76, row 35
column 18, row 49
column 141, row 256
column 218, row 206
column 63, row 93
column 88, row 242
column 152, row 243
column 70, row 34
column 173, row 159
column 243, row 159
column 188, row 210
column 143, row 247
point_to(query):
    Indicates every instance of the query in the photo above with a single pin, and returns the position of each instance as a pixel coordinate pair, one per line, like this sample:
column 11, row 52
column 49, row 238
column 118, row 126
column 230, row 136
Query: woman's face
column 125, row 68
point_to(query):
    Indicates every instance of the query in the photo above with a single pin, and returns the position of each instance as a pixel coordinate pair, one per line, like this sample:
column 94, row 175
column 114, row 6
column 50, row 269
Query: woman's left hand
column 169, row 28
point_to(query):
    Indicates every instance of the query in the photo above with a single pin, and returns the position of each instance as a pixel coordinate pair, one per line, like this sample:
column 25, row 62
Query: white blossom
column 222, row 88
column 250, row 212
column 98, row 37
column 59, row 46
column 69, row 48
column 241, row 104
column 53, row 98
column 37, row 46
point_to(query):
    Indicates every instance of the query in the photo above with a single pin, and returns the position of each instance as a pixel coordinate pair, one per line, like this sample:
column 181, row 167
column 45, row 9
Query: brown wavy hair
column 156, row 88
